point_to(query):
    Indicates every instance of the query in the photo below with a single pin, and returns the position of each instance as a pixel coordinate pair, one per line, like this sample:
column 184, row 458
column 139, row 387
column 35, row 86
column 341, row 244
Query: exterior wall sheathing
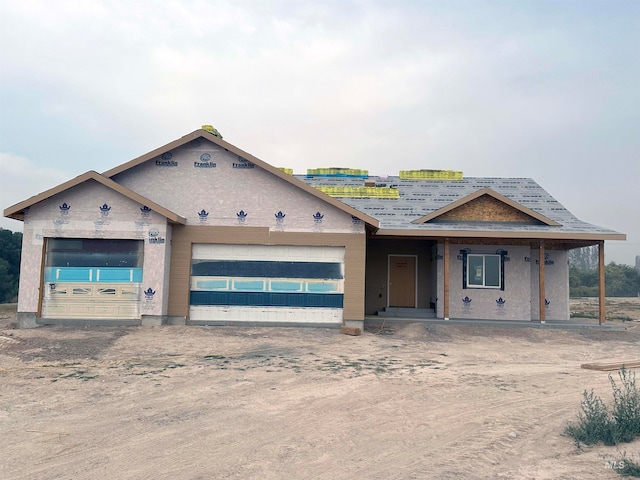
column 519, row 299
column 556, row 285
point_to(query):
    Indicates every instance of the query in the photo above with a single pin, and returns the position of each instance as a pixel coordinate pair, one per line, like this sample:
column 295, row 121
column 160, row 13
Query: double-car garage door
column 258, row 283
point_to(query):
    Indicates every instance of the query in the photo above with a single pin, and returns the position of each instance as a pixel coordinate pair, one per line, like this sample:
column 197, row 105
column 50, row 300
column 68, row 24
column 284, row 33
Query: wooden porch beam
column 541, row 282
column 601, row 285
column 446, row 279
column 41, row 288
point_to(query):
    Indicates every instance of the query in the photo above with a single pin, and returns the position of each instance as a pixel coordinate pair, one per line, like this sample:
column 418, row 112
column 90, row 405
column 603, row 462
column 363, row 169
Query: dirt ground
column 407, row 402
column 622, row 309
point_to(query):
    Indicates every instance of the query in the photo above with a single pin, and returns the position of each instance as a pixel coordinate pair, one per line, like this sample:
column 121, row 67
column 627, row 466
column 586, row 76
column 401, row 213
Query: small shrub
column 594, row 422
column 626, row 406
column 597, row 424
column 628, row 467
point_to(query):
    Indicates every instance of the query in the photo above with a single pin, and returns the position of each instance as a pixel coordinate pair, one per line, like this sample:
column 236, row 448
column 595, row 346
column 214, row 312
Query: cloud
column 494, row 89
column 20, row 178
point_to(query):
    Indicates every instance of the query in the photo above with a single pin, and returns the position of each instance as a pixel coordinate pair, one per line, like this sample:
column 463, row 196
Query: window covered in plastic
column 94, row 252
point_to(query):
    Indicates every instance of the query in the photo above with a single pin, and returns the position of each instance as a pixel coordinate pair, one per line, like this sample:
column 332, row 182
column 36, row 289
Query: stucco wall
column 227, row 185
column 84, row 219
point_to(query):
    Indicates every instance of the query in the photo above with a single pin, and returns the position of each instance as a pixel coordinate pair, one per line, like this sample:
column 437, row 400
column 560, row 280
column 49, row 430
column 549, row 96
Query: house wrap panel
column 221, row 192
column 556, row 284
column 512, row 303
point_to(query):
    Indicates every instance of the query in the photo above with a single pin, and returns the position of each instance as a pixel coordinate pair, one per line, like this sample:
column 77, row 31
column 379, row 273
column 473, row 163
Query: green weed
column 597, row 423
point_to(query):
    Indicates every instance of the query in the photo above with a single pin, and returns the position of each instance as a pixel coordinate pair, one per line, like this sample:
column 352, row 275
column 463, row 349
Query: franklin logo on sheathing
column 166, row 160
column 243, row 163
column 154, row 236
column 205, row 161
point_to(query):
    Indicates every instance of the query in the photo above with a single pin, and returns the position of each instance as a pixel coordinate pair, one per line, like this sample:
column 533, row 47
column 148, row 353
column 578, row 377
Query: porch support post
column 41, row 289
column 601, row 289
column 446, row 279
column 541, row 282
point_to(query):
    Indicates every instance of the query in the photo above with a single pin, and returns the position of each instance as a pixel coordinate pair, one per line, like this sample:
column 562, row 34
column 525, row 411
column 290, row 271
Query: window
column 90, row 252
column 483, row 271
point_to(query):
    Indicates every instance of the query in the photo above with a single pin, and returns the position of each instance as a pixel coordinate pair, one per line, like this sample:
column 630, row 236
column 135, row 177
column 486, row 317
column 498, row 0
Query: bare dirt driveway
column 412, row 402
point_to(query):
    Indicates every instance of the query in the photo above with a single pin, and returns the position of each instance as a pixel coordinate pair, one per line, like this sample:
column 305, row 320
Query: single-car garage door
column 92, row 278
column 259, row 283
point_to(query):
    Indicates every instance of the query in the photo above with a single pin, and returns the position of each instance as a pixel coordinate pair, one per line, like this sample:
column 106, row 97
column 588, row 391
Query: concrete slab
column 82, row 322
column 27, row 320
column 549, row 324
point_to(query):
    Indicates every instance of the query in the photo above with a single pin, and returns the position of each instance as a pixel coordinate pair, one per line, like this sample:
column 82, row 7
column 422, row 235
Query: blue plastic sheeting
column 284, row 286
column 267, row 285
column 212, row 284
column 93, row 274
column 248, row 285
column 321, row 287
column 267, row 299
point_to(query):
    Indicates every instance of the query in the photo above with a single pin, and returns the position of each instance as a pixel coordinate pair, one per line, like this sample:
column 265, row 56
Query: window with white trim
column 484, row 271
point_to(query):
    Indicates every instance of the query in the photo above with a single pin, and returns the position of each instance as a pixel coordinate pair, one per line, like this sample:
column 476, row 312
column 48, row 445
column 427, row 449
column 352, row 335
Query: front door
column 402, row 281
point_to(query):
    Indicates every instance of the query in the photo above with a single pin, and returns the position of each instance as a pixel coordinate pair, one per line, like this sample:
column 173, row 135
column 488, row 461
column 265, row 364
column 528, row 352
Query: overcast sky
column 541, row 89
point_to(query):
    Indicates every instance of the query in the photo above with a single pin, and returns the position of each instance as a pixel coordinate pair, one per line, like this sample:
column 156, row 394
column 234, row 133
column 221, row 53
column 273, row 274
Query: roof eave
column 153, row 153
column 501, row 234
column 14, row 216
column 18, row 209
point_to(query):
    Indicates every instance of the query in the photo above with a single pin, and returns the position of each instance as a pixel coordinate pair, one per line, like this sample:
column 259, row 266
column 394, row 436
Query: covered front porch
column 430, row 278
